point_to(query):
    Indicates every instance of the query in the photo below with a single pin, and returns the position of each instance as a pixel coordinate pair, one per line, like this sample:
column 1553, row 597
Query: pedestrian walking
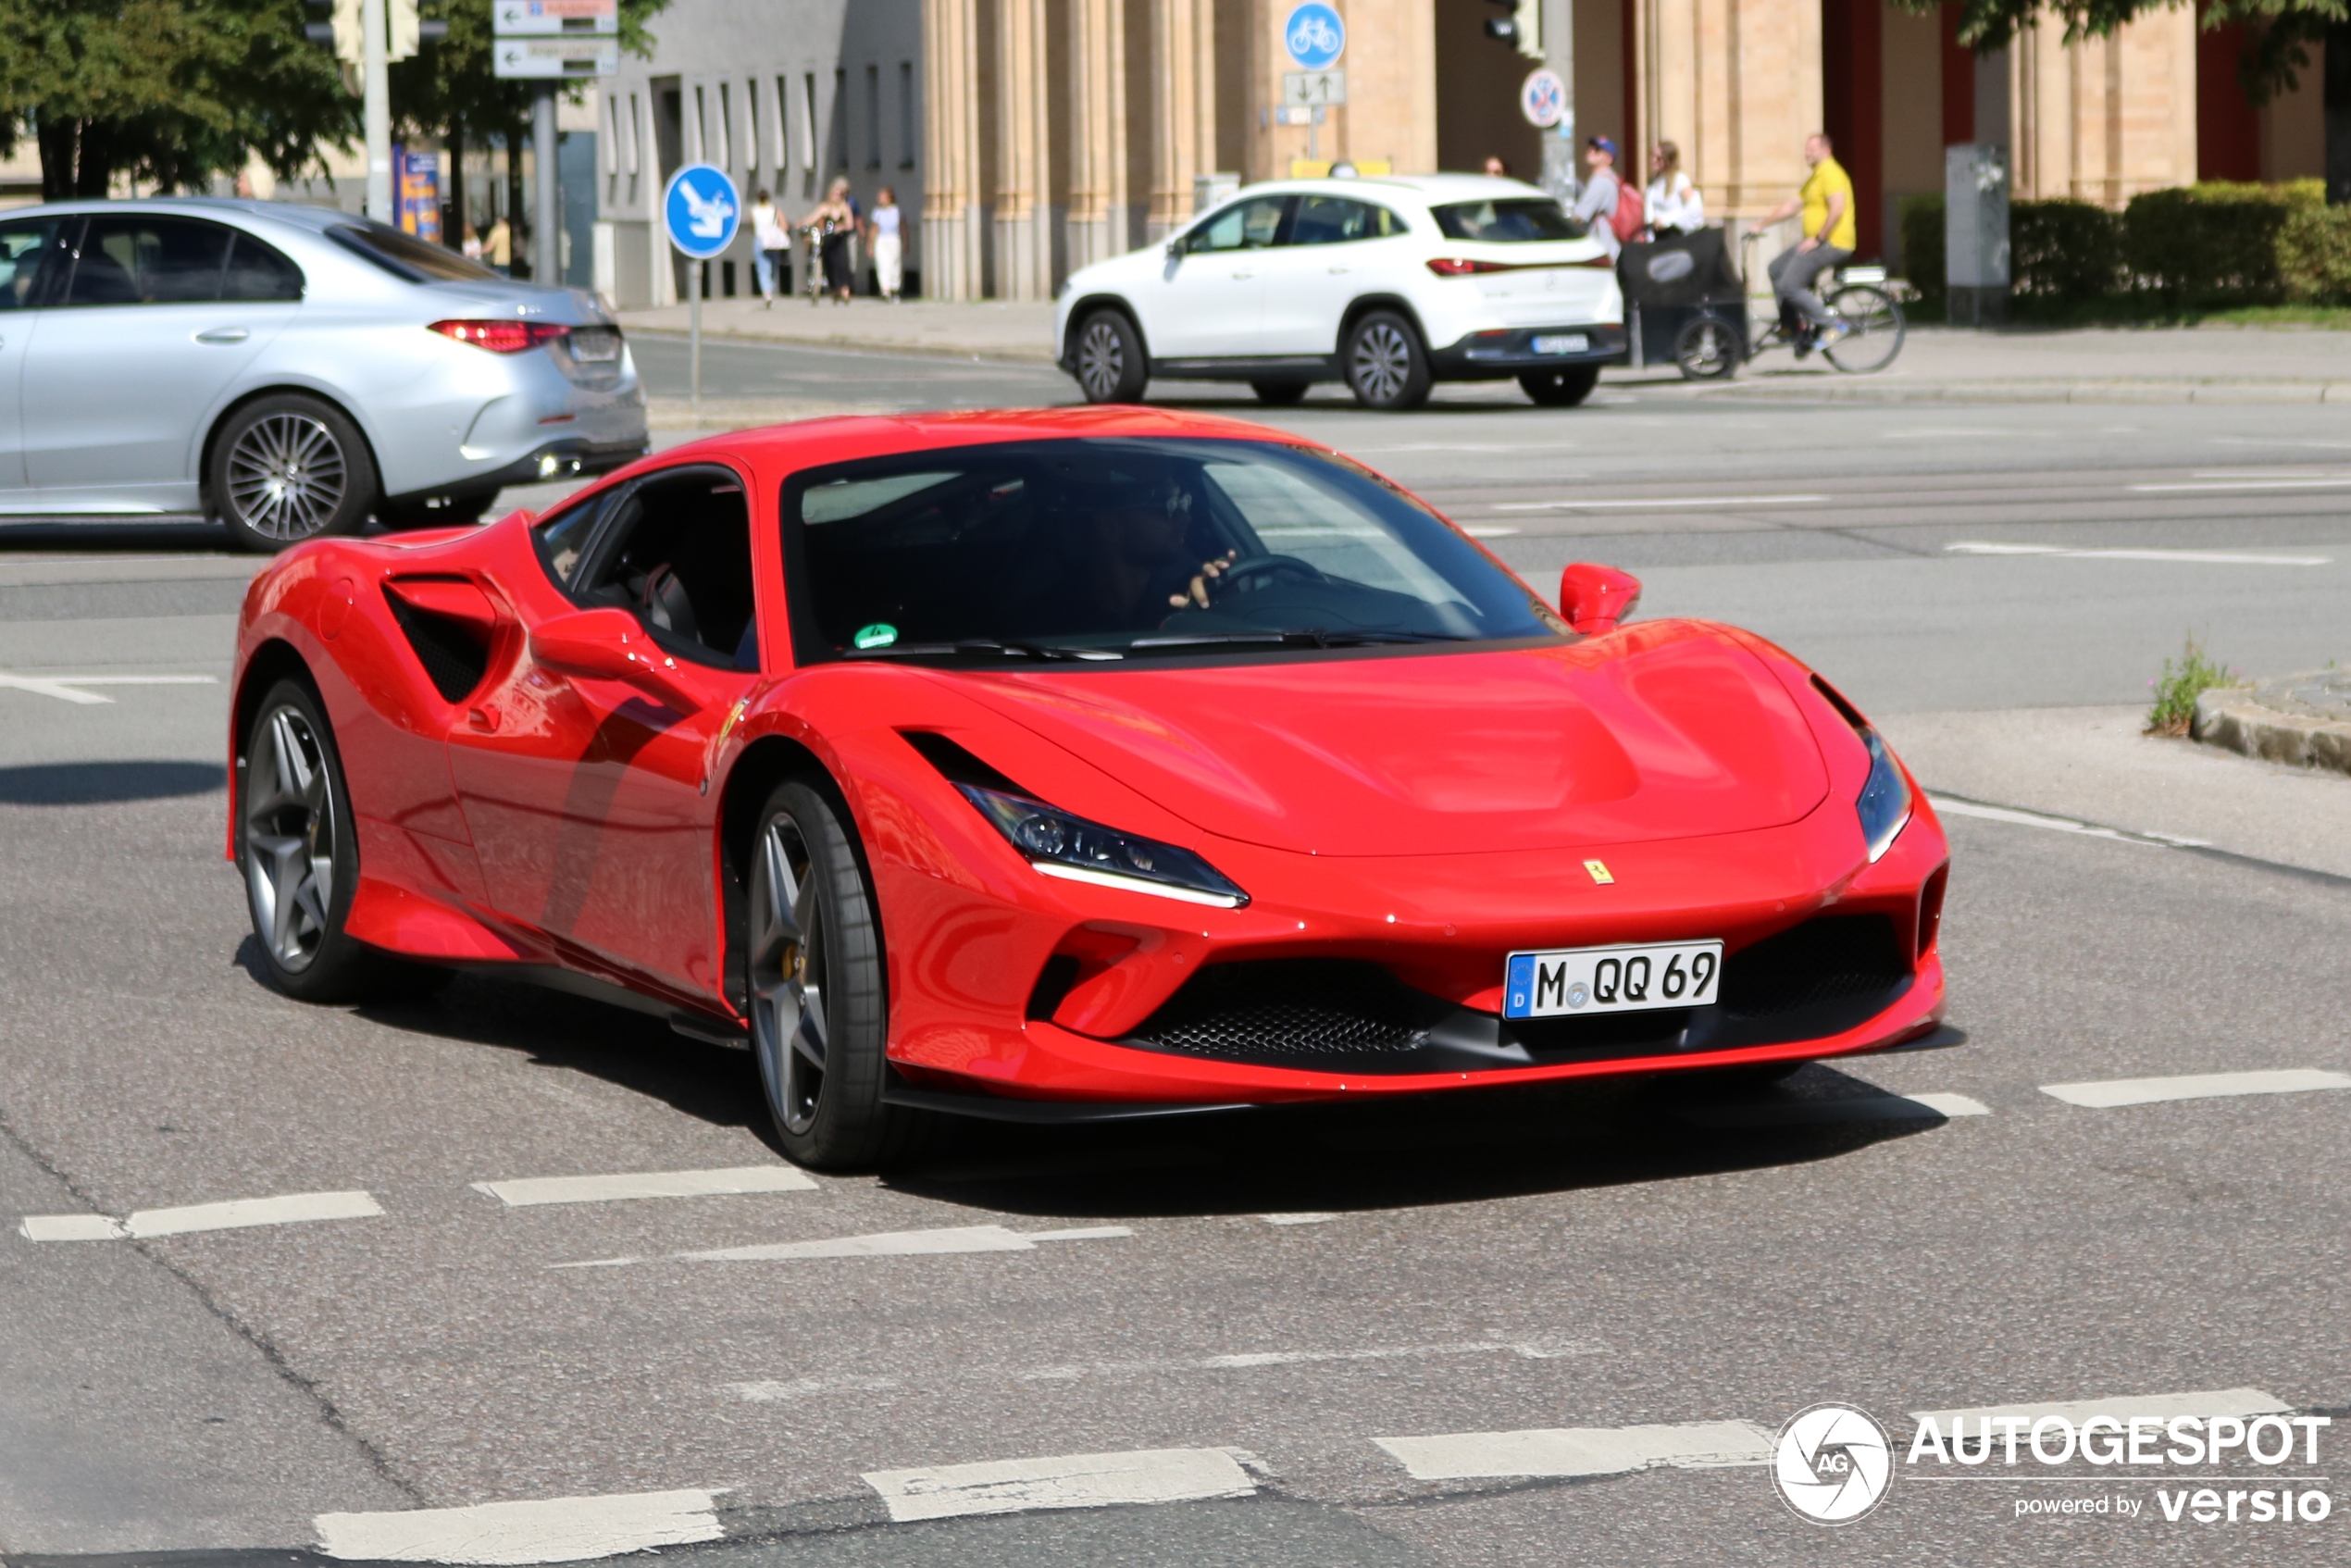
column 1601, row 205
column 1826, row 202
column 834, row 224
column 1674, row 204
column 498, row 248
column 888, row 244
column 470, row 248
column 771, row 246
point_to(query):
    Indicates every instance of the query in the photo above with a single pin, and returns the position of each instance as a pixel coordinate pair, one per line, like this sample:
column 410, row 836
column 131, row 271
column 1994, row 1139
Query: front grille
column 1303, row 1010
column 1833, row 958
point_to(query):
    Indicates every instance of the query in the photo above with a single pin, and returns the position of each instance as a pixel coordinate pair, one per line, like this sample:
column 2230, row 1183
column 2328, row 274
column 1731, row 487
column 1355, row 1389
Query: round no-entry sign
column 701, row 210
column 1543, row 98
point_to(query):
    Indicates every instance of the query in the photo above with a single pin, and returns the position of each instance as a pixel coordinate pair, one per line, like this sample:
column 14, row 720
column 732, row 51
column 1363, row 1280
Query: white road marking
column 2240, row 1402
column 1476, row 532
column 1586, row 1450
column 1086, row 1480
column 1303, row 1218
column 1870, row 1108
column 2104, row 1095
column 2206, row 487
column 888, row 1244
column 1614, row 502
column 2015, row 819
column 551, row 1530
column 239, row 1213
column 68, row 688
column 2189, row 557
column 535, row 1191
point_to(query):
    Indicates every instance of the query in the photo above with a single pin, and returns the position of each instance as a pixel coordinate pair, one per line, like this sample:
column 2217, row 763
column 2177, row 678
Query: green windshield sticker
column 881, row 634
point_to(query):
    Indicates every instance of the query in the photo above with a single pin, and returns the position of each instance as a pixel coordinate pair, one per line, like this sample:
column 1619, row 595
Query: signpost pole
column 375, row 115
column 700, row 276
column 547, row 246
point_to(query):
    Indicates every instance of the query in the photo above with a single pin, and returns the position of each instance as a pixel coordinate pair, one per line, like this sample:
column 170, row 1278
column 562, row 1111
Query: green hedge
column 2198, row 245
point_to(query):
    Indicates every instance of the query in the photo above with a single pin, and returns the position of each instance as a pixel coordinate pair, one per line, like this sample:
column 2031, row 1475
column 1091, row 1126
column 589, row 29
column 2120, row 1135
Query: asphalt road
column 1281, row 1292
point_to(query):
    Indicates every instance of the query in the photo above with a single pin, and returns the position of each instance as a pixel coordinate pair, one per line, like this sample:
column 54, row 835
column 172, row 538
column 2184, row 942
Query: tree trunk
column 93, row 161
column 57, row 138
column 453, row 234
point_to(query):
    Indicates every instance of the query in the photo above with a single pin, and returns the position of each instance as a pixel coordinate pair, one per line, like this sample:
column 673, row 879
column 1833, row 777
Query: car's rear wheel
column 1564, row 388
column 291, row 467
column 819, row 1014
column 297, row 850
column 1279, row 395
column 1111, row 367
column 1387, row 367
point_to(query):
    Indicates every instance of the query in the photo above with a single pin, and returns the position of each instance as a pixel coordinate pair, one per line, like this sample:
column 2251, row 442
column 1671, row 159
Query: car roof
column 1429, row 188
column 317, row 219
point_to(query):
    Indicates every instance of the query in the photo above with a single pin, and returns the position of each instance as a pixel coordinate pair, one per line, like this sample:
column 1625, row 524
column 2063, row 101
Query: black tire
column 1875, row 319
column 298, row 852
column 1564, row 388
column 1108, row 354
column 1705, row 349
column 1387, row 367
column 1279, row 395
column 819, row 1007
column 454, row 511
column 289, row 467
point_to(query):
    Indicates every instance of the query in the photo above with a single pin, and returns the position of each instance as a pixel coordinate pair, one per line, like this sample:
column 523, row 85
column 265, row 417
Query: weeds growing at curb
column 2177, row 689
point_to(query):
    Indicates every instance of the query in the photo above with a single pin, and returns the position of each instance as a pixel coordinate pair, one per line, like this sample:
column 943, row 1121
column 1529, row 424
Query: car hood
column 1666, row 729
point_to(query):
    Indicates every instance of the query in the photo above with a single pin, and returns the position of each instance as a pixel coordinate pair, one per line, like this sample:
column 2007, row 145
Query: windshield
column 1109, row 550
column 405, row 255
column 1511, row 220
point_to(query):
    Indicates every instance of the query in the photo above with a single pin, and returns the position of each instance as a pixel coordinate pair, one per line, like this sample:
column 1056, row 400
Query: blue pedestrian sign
column 701, row 210
column 1316, row 35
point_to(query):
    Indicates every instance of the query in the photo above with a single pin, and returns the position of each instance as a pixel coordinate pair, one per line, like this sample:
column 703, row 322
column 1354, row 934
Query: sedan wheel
column 1385, row 367
column 819, row 1018
column 290, row 468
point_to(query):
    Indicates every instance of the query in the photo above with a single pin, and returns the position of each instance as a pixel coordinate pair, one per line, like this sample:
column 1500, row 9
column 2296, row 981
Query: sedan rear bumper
column 550, row 462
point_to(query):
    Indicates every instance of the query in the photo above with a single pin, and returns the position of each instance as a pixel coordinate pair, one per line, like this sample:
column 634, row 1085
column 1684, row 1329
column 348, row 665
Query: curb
column 1825, row 391
column 2231, row 718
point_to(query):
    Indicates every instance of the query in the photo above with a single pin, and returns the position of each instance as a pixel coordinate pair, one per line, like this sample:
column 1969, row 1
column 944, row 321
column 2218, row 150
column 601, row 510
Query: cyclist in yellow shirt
column 1826, row 202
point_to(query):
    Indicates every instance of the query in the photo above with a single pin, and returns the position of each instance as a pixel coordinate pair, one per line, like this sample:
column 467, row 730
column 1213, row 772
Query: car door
column 143, row 346
column 1331, row 252
column 34, row 254
column 1208, row 301
column 587, row 799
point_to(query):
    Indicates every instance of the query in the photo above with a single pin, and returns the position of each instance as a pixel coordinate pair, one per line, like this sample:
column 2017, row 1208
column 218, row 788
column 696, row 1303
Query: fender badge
column 1601, row 873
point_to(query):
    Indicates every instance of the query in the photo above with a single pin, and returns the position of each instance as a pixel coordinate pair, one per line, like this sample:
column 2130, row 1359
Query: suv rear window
column 405, row 255
column 1511, row 220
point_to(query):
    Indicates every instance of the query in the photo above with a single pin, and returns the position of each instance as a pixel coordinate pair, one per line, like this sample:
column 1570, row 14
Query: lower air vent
column 454, row 655
column 1301, row 1011
column 1831, row 959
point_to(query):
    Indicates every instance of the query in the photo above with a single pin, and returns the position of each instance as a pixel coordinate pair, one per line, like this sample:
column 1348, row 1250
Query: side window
column 1245, row 226
column 1334, row 220
column 561, row 537
column 678, row 558
column 33, row 257
column 258, row 272
column 147, row 259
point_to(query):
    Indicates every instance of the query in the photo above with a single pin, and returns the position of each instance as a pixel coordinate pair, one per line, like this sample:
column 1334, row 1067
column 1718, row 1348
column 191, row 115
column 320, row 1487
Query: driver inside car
column 1132, row 556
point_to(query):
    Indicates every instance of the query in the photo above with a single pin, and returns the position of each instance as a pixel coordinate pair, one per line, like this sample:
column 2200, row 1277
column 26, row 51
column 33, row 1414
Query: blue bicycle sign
column 701, row 210
column 1316, row 35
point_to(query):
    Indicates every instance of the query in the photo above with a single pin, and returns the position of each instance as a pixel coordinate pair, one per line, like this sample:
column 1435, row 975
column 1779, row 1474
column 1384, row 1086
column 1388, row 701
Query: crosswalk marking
column 236, row 1215
column 1868, row 1108
column 2187, row 557
column 69, row 688
column 2107, row 1094
column 534, row 1190
column 1585, row 1450
column 550, row 1530
column 1086, row 1480
column 1301, row 1218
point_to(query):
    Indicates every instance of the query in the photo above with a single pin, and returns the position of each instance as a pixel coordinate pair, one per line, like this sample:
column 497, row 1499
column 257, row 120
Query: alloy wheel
column 286, row 476
column 1101, row 360
column 1382, row 362
column 786, row 976
column 290, row 839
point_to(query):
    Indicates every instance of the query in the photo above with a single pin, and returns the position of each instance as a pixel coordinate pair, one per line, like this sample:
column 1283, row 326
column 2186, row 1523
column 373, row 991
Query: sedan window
column 1516, row 219
column 33, row 259
column 258, row 272
column 405, row 255
column 1334, row 220
column 145, row 259
column 1245, row 226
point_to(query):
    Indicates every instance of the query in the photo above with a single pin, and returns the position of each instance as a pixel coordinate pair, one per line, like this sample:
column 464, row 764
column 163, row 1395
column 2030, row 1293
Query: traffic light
column 1523, row 27
column 406, row 29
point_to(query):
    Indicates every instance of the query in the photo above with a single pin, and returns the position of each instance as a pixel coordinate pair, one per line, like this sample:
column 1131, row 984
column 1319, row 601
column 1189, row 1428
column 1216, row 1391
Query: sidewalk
column 1938, row 364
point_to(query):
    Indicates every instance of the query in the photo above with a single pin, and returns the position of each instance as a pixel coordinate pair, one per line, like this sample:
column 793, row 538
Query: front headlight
column 1062, row 845
column 1884, row 806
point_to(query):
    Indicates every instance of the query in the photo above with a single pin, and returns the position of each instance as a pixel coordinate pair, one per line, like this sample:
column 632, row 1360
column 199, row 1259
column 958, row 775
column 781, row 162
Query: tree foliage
column 2279, row 32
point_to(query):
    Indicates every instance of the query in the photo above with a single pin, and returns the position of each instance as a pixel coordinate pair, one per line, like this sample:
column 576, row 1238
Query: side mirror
column 1594, row 598
column 610, row 645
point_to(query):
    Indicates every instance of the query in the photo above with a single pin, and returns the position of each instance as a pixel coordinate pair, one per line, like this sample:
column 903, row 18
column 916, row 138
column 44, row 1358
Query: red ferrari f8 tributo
column 1067, row 765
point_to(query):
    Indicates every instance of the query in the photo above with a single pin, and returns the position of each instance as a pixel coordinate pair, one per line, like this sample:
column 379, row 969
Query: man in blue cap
column 1596, row 205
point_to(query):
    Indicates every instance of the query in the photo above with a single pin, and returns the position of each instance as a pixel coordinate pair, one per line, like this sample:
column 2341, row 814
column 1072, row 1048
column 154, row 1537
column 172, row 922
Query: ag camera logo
column 1832, row 1463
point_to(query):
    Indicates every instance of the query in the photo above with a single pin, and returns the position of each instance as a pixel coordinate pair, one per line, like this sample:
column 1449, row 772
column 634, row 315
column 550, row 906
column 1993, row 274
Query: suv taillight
column 501, row 337
column 1455, row 266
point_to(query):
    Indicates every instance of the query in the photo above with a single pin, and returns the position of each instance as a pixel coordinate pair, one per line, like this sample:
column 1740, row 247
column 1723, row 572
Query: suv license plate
column 1572, row 982
column 1561, row 342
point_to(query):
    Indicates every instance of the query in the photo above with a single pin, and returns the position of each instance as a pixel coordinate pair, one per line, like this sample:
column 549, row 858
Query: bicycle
column 1707, row 349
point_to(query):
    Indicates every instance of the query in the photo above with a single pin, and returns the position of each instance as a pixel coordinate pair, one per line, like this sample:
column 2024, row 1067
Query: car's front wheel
column 1387, row 367
column 291, row 467
column 297, row 849
column 819, row 1013
column 1111, row 367
column 1564, row 388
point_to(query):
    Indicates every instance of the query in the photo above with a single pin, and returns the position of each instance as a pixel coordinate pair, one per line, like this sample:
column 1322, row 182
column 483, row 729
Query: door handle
column 1337, row 271
column 1243, row 277
column 224, row 335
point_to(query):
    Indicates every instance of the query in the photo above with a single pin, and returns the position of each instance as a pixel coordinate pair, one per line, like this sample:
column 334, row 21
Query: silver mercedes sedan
column 291, row 370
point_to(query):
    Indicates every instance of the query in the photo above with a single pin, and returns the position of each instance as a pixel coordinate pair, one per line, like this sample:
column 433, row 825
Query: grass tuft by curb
column 2177, row 689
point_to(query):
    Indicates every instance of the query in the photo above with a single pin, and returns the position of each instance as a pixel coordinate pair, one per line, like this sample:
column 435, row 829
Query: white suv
column 1388, row 283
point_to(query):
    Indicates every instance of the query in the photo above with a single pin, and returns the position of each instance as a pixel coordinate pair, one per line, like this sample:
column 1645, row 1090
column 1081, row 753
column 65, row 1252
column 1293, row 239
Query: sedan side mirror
column 1594, row 598
column 610, row 645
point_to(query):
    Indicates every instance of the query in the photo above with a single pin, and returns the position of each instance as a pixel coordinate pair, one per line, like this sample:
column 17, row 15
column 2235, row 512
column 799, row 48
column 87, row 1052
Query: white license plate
column 595, row 346
column 1577, row 982
column 1561, row 342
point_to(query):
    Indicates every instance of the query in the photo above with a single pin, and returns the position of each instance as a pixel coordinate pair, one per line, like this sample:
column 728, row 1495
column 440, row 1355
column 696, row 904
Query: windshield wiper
column 1315, row 637
column 978, row 645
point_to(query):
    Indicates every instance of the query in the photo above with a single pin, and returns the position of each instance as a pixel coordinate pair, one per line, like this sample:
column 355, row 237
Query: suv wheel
column 1111, row 367
column 291, row 467
column 1387, row 367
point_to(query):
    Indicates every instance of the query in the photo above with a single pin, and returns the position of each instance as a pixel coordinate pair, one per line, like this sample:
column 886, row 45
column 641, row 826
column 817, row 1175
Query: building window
column 905, row 114
column 873, row 117
column 783, row 117
column 701, row 128
column 636, row 134
column 751, row 125
column 611, row 137
column 808, row 124
column 725, row 126
column 838, row 118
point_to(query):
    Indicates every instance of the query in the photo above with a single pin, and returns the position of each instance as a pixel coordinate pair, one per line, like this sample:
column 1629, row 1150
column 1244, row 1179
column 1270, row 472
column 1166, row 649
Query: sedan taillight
column 501, row 337
column 1456, row 266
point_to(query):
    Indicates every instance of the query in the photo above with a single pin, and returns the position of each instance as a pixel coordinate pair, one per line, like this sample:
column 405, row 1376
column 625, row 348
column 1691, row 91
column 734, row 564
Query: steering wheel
column 1241, row 576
